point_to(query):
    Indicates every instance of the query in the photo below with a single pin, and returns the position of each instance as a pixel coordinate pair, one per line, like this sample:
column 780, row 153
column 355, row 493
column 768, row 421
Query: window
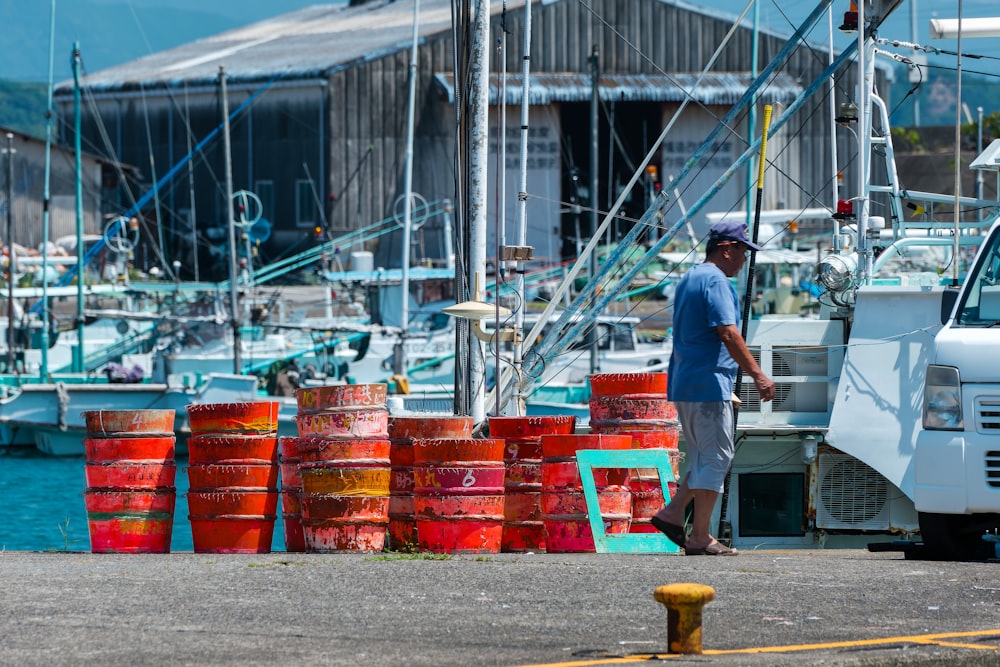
column 305, row 204
column 772, row 504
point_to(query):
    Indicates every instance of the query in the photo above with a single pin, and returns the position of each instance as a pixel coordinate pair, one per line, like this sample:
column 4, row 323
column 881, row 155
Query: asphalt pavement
column 802, row 607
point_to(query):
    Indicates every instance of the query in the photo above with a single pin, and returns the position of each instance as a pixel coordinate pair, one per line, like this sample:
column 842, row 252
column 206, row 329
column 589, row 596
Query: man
column 707, row 349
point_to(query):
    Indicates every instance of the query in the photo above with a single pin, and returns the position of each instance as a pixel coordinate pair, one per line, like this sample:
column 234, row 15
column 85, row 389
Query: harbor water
column 44, row 505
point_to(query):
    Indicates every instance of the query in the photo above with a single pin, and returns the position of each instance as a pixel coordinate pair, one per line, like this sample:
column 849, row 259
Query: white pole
column 479, row 157
column 47, row 198
column 399, row 360
column 522, row 221
column 234, row 299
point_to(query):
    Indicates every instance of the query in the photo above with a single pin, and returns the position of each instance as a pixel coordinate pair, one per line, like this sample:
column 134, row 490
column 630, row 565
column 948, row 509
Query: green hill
column 22, row 107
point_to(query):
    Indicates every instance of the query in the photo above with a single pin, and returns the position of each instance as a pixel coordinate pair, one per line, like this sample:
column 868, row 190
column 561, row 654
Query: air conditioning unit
column 851, row 495
column 798, row 396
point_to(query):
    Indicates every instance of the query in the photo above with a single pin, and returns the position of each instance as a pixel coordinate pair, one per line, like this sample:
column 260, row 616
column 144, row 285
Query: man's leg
column 673, row 511
column 704, row 505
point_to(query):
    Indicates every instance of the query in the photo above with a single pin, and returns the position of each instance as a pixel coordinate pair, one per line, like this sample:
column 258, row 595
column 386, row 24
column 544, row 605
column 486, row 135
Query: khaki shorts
column 708, row 435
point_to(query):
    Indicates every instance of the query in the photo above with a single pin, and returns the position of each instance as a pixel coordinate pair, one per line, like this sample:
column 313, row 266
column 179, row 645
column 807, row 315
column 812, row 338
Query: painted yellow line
column 939, row 639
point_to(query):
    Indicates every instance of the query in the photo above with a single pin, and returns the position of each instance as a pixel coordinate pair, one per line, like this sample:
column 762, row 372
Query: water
column 44, row 507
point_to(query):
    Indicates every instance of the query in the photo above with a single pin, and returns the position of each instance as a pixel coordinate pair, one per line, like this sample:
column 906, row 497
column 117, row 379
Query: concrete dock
column 830, row 607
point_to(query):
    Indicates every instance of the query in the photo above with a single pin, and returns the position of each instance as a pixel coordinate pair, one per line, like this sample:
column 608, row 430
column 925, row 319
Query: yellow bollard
column 684, row 603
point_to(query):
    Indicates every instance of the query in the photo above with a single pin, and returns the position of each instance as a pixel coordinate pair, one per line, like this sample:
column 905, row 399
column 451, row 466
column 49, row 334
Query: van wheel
column 957, row 536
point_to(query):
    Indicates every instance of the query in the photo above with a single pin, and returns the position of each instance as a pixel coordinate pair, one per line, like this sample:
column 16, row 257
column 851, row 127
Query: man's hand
column 765, row 387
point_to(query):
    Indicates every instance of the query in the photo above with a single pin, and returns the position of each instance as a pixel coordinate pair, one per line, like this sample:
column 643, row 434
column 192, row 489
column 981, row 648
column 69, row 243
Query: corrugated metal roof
column 304, row 44
column 720, row 88
column 307, row 43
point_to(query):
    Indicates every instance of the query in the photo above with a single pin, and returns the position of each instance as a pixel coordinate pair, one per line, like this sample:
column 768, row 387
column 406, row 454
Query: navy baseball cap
column 729, row 231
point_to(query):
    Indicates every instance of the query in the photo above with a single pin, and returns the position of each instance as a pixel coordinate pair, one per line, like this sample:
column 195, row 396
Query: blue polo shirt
column 701, row 368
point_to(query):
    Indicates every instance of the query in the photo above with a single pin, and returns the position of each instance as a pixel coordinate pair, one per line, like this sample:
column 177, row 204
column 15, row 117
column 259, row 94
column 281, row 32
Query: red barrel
column 291, row 491
column 234, row 449
column 345, row 494
column 402, row 432
column 233, row 476
column 564, row 507
column 523, row 529
column 635, row 404
column 248, row 418
column 336, row 397
column 611, row 384
column 360, row 423
column 129, row 423
column 130, row 474
column 458, row 494
column 130, row 521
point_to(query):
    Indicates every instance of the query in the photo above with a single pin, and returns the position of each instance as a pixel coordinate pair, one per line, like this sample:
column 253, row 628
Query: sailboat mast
column 234, row 299
column 46, row 199
column 78, row 170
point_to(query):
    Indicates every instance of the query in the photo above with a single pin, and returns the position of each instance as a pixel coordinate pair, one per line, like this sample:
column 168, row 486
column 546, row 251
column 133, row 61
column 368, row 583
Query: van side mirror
column 948, row 298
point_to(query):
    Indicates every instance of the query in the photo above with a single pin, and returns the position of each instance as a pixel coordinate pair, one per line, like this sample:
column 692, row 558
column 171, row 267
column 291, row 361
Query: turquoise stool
column 628, row 543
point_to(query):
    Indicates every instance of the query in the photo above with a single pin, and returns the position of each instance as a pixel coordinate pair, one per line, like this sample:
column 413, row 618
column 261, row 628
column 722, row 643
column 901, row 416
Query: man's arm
column 737, row 348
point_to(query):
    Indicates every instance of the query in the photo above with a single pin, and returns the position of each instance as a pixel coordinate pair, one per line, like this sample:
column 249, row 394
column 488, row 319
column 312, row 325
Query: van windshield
column 980, row 305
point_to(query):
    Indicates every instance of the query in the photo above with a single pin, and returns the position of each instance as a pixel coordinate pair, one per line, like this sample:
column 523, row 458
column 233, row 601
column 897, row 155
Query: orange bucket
column 458, row 494
column 345, row 494
column 212, row 476
column 362, row 423
column 337, row 523
column 130, row 521
column 252, row 417
column 567, row 526
column 146, row 448
column 291, row 489
column 402, row 432
column 335, row 397
column 608, row 384
column 319, row 450
column 130, row 475
column 232, row 503
column 232, row 534
column 523, row 529
column 129, row 423
column 238, row 449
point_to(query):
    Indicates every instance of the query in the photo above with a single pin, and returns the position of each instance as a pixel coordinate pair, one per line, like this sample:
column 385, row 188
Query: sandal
column 714, row 549
column 673, row 532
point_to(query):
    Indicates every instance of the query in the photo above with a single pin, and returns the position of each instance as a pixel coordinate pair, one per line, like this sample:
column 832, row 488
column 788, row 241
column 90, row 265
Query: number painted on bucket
column 469, row 479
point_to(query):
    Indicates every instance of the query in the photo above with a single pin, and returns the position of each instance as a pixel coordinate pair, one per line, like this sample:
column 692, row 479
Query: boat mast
column 399, row 359
column 522, row 223
column 234, row 298
column 8, row 239
column 78, row 351
column 46, row 199
column 479, row 157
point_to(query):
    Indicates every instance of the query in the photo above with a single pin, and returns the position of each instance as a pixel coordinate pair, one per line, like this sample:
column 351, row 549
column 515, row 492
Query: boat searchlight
column 477, row 311
column 835, row 272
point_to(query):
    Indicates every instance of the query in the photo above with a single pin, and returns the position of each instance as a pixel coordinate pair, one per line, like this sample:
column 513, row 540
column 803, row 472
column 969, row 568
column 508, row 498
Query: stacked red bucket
column 233, row 476
column 403, row 430
column 291, row 492
column 523, row 529
column 130, row 473
column 344, row 468
column 564, row 507
column 635, row 404
column 458, row 494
